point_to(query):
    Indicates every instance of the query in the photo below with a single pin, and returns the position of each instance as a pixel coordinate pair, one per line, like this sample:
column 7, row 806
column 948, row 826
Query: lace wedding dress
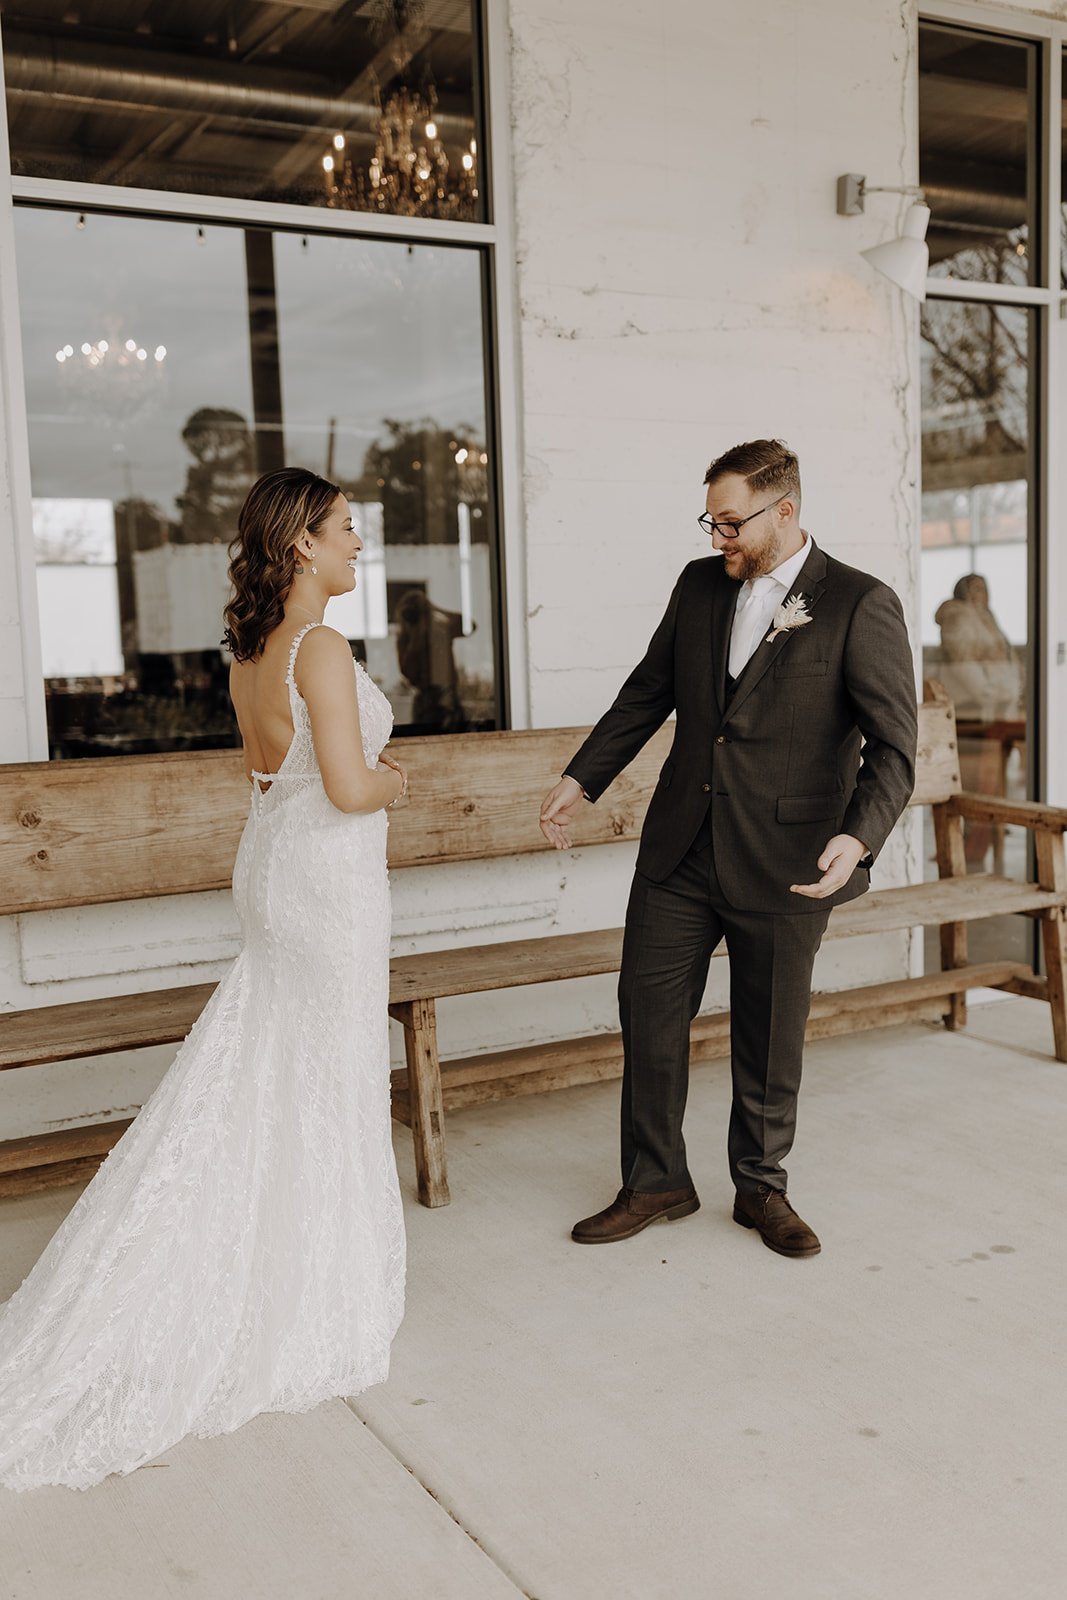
column 242, row 1247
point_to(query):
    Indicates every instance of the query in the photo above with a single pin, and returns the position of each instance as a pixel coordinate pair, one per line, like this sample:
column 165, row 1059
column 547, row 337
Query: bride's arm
column 327, row 681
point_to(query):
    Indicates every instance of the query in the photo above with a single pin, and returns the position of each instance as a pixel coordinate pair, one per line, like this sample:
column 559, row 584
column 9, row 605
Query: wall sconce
column 904, row 260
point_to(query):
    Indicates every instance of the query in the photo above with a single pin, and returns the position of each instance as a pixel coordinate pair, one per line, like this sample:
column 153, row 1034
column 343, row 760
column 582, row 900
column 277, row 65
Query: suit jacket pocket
column 810, row 807
column 785, row 668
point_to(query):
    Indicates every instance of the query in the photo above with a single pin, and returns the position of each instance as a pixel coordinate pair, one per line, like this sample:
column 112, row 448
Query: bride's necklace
column 294, row 607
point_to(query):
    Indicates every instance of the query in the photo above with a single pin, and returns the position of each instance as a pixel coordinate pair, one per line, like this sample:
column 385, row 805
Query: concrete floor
column 682, row 1417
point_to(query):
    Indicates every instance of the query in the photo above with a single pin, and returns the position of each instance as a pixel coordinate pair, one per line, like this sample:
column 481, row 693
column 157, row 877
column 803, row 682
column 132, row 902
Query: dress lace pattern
column 242, row 1247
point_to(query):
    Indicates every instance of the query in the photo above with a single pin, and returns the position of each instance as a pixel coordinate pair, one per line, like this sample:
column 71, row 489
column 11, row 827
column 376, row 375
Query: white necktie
column 749, row 624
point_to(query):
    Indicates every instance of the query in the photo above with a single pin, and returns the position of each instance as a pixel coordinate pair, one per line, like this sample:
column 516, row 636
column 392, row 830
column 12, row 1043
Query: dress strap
column 290, row 676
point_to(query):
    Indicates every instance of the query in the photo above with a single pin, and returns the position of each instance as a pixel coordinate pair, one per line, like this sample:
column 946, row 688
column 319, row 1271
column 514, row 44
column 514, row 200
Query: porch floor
column 685, row 1416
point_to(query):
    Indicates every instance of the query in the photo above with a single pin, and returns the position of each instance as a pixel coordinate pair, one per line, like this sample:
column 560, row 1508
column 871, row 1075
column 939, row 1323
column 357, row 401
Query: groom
column 779, row 662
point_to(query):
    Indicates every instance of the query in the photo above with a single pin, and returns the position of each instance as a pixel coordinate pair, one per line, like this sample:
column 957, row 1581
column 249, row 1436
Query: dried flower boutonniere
column 792, row 613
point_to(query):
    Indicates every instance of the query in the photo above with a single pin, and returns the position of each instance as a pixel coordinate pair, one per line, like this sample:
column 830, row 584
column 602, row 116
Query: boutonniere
column 792, row 613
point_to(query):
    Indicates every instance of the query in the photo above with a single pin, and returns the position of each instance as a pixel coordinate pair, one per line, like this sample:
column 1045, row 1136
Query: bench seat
column 95, row 832
column 164, row 1016
column 43, row 1161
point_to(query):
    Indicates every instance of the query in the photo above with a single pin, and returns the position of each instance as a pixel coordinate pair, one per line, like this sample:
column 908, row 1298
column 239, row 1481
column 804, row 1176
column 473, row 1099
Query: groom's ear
column 787, row 508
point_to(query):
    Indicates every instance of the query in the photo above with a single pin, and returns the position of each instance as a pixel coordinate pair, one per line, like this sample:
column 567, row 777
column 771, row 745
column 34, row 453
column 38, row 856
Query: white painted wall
column 683, row 283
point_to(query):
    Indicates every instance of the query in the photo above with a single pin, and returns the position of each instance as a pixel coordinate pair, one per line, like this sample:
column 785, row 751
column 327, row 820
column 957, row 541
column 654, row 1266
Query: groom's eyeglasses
column 730, row 530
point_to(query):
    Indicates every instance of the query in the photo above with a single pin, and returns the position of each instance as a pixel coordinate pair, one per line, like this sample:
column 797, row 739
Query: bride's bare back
column 260, row 698
column 325, row 680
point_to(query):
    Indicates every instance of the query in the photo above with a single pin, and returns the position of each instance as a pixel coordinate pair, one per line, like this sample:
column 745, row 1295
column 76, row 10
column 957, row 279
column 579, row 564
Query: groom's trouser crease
column 672, row 930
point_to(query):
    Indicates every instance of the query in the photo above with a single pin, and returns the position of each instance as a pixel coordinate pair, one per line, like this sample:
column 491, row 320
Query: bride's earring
column 298, row 569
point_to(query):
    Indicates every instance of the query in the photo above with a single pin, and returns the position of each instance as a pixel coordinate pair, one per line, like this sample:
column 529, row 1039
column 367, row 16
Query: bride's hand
column 387, row 761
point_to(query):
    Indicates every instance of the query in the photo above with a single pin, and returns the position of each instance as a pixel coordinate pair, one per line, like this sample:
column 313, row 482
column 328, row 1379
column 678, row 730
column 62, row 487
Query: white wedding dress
column 242, row 1247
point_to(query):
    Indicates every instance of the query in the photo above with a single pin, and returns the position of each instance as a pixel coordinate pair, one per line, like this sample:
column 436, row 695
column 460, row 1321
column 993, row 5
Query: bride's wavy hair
column 278, row 508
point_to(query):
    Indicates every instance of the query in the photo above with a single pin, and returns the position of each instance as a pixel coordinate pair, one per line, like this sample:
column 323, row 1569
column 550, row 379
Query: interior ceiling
column 107, row 91
column 975, row 130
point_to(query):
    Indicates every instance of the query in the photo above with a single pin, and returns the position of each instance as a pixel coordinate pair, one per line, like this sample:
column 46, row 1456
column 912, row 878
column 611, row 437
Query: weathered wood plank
column 1020, row 813
column 926, row 905
column 124, row 828
column 1052, row 871
column 61, row 1144
column 937, row 763
column 712, row 1045
column 1029, row 988
column 511, row 963
column 515, row 963
column 476, row 796
column 952, row 936
column 99, row 1027
column 425, row 1110
column 564, row 1063
column 54, row 1175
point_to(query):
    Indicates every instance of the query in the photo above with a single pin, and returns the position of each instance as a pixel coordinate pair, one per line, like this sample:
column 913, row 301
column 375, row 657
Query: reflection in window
column 361, row 359
column 977, row 377
column 977, row 153
column 368, row 107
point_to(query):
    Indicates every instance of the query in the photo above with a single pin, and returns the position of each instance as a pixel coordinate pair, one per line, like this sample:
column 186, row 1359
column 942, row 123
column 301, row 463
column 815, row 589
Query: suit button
column 706, row 787
column 721, row 739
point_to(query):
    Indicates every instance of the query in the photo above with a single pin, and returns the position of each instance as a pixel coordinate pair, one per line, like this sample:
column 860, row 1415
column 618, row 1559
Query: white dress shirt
column 757, row 602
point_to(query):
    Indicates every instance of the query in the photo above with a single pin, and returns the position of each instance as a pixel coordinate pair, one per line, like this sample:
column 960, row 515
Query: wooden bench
column 92, row 832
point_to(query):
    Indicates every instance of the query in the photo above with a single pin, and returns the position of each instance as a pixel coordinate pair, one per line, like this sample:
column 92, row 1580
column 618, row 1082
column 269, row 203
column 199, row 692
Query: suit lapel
column 723, row 604
column 810, row 582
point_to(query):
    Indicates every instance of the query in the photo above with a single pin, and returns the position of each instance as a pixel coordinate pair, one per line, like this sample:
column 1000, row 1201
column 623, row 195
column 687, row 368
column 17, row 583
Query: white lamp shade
column 905, row 261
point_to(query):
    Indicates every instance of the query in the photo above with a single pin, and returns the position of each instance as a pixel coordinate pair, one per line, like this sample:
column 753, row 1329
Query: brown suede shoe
column 631, row 1211
column 778, row 1225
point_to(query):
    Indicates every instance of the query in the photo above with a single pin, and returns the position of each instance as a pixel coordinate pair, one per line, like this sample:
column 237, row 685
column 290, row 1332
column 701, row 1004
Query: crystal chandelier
column 114, row 378
column 409, row 174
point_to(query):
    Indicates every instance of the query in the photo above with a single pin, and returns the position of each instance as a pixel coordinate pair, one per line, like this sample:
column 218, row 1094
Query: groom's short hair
column 767, row 466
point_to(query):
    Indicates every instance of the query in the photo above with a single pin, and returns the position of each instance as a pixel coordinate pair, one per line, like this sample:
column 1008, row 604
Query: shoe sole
column 746, row 1221
column 685, row 1209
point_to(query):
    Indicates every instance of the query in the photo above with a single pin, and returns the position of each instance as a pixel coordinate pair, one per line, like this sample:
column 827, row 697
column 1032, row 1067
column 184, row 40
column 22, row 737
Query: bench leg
column 952, row 863
column 1052, row 874
column 419, row 1021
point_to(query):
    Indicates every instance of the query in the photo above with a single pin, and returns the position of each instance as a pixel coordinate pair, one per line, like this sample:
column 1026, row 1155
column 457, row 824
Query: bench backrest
column 123, row 828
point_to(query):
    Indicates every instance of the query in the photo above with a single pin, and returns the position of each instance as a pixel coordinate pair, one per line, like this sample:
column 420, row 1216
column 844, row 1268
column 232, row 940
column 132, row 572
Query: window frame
column 494, row 241
column 1048, row 495
column 1047, row 491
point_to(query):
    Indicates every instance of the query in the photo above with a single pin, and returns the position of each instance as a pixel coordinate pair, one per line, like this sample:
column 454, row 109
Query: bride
column 242, row 1247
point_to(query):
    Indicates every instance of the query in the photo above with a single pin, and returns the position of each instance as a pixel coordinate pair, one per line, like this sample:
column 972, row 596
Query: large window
column 368, row 107
column 992, row 298
column 174, row 352
column 978, row 142
column 977, row 365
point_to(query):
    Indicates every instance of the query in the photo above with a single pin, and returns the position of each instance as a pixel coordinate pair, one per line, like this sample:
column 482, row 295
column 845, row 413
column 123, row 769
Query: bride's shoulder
column 323, row 643
column 323, row 654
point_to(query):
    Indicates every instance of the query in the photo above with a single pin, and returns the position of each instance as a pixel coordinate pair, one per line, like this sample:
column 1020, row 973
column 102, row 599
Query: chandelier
column 114, row 378
column 409, row 174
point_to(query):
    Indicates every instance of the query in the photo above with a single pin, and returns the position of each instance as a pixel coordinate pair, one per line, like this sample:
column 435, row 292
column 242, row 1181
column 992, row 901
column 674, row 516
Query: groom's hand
column 557, row 812
column 837, row 864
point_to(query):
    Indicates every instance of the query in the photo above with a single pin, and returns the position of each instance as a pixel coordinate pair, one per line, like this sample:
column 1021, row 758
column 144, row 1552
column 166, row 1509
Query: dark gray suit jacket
column 780, row 762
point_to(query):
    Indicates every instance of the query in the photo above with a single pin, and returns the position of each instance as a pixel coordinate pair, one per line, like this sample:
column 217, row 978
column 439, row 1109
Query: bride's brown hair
column 277, row 510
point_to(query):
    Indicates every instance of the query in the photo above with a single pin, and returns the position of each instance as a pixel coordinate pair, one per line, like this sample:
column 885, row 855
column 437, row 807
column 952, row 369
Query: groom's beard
column 752, row 561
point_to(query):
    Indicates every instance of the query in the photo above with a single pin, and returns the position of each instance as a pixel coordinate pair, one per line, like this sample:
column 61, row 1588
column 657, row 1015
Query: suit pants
column 672, row 928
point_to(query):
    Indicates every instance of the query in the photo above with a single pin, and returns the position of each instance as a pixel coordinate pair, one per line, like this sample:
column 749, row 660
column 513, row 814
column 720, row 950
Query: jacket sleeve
column 642, row 706
column 880, row 681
